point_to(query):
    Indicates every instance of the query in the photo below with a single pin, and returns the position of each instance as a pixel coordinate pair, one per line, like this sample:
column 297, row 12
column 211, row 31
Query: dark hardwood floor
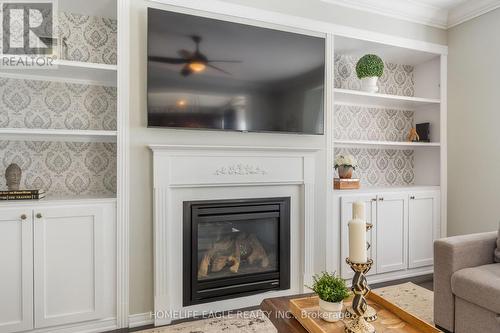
column 424, row 281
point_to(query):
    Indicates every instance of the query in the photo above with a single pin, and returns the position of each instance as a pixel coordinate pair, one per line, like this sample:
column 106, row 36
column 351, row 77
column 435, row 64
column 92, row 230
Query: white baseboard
column 86, row 327
column 140, row 319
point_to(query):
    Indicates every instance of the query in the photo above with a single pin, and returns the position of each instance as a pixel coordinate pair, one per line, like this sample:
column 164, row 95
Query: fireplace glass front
column 235, row 248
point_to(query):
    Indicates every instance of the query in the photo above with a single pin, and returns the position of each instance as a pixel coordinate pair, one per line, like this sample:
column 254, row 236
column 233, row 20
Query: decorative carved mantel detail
column 240, row 170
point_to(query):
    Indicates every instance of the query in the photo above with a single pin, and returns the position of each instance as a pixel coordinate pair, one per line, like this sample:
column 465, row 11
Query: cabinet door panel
column 346, row 215
column 68, row 264
column 392, row 232
column 16, row 273
column 423, row 228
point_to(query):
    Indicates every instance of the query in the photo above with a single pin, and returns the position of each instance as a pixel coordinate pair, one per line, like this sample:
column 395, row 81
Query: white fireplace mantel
column 229, row 171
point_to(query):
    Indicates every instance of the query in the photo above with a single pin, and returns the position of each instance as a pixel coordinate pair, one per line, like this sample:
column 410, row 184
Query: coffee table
column 282, row 311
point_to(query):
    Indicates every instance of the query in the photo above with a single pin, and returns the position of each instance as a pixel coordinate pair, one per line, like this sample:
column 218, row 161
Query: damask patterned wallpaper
column 363, row 123
column 88, row 38
column 55, row 105
column 376, row 167
column 396, row 80
column 382, row 167
column 63, row 168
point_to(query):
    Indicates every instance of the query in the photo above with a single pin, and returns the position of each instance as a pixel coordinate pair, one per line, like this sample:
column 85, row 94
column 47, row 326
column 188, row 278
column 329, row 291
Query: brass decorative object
column 13, row 175
column 360, row 288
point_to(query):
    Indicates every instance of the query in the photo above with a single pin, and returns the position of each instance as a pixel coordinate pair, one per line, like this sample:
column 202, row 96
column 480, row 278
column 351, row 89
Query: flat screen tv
column 211, row 74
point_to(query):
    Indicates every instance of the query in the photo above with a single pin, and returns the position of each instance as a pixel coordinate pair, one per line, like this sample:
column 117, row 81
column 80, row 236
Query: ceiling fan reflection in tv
column 193, row 62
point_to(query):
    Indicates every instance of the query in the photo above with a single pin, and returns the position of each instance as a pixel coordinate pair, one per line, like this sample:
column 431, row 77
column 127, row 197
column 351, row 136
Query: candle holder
column 360, row 288
column 370, row 314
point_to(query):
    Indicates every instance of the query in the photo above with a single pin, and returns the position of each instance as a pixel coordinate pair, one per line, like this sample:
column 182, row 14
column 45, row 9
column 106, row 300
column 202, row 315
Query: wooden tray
column 391, row 318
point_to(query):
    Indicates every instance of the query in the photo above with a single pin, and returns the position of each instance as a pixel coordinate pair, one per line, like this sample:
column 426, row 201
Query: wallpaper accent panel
column 382, row 167
column 396, row 80
column 63, row 168
column 56, row 105
column 88, row 38
column 364, row 123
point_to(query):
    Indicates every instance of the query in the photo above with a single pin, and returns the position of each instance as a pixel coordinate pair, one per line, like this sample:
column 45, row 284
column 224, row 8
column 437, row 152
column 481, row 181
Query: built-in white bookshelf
column 410, row 92
column 69, row 108
column 66, row 127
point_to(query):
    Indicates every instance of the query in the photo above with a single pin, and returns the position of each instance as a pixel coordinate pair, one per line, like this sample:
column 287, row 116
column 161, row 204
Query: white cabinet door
column 424, row 224
column 346, row 215
column 16, row 269
column 392, row 232
column 68, row 252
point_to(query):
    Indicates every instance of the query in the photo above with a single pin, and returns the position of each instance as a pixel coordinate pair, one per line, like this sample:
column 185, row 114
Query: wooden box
column 346, row 184
column 391, row 318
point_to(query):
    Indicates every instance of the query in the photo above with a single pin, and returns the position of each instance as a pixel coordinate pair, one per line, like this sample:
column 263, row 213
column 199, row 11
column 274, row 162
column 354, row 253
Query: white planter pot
column 330, row 312
column 369, row 84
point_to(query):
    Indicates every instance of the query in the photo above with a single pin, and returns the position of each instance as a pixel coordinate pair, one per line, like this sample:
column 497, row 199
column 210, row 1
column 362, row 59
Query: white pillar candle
column 357, row 235
column 358, row 210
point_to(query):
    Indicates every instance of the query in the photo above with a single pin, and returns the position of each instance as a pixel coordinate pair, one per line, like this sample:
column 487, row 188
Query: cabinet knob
column 39, row 215
column 381, row 199
column 369, row 226
column 374, row 199
column 412, row 198
column 24, row 217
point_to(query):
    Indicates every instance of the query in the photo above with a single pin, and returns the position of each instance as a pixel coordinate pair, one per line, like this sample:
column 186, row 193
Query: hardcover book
column 346, row 184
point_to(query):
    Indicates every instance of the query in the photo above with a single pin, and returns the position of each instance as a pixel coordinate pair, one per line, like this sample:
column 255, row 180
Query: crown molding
column 422, row 12
column 469, row 10
column 408, row 10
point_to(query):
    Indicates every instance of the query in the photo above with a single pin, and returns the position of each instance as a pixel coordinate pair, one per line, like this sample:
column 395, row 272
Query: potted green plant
column 331, row 290
column 345, row 165
column 368, row 69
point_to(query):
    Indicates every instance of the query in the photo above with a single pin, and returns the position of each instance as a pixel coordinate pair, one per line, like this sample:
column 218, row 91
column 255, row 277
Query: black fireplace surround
column 234, row 248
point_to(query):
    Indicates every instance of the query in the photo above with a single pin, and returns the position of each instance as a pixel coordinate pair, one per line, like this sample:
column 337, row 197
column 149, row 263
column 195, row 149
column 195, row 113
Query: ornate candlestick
column 370, row 313
column 360, row 288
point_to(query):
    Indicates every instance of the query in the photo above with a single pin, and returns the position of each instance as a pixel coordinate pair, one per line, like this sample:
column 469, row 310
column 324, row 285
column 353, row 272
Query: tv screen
column 210, row 74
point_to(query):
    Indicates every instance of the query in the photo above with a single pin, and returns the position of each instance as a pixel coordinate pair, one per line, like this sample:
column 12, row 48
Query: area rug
column 414, row 299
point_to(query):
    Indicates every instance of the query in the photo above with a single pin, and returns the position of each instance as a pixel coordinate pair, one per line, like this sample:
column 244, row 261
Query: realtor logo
column 28, row 34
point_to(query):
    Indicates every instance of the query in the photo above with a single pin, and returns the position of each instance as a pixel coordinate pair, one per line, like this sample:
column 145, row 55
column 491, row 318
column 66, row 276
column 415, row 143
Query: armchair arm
column 453, row 254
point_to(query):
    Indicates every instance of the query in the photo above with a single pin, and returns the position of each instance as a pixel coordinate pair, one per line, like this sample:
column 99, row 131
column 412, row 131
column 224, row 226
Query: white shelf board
column 67, row 200
column 66, row 71
column 28, row 134
column 356, row 97
column 383, row 144
column 385, row 189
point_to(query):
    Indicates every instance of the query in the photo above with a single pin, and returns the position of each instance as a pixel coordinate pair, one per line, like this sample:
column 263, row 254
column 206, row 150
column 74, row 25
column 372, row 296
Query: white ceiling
column 438, row 13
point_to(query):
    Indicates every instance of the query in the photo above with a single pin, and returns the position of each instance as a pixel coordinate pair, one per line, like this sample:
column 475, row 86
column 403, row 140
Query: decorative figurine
column 13, row 175
column 413, row 135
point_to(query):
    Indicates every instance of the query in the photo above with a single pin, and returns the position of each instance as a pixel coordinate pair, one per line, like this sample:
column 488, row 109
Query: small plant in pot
column 368, row 69
column 345, row 165
column 331, row 290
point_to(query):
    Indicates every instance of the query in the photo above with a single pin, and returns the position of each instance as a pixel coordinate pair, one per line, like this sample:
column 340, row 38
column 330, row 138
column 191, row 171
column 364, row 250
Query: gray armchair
column 467, row 284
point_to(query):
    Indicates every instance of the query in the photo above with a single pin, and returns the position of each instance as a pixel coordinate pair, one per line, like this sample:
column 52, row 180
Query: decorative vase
column 330, row 312
column 369, row 84
column 345, row 172
column 13, row 175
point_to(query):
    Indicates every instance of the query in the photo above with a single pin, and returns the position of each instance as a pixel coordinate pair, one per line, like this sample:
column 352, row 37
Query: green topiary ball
column 369, row 65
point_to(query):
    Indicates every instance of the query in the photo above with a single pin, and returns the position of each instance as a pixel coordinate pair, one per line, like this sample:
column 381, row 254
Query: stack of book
column 346, row 184
column 22, row 195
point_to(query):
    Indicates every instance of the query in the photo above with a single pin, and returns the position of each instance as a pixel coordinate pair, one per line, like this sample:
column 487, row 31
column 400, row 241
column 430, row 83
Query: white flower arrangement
column 346, row 161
